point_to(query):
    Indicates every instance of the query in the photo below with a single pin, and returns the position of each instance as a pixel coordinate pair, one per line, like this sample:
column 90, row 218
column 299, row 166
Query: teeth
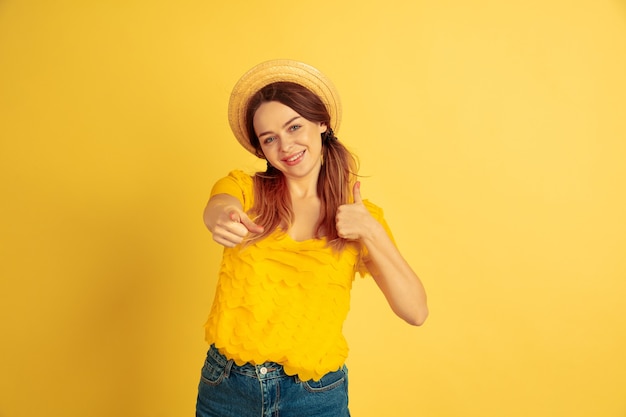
column 293, row 158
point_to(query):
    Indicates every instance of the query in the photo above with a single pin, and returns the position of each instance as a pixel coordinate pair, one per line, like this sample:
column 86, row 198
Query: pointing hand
column 233, row 226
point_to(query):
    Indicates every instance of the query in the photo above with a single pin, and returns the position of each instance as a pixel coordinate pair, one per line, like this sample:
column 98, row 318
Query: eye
column 293, row 128
column 269, row 140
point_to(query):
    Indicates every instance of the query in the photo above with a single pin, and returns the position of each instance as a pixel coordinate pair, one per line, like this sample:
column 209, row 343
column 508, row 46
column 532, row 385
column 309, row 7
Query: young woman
column 294, row 238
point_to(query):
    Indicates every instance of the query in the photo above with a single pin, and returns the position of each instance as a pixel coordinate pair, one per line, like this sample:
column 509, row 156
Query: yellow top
column 282, row 300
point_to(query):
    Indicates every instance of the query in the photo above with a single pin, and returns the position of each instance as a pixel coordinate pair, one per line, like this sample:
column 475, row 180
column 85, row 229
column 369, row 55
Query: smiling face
column 291, row 143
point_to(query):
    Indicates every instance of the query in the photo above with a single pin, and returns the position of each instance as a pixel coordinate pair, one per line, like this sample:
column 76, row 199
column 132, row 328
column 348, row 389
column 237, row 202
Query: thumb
column 250, row 225
column 356, row 192
column 234, row 216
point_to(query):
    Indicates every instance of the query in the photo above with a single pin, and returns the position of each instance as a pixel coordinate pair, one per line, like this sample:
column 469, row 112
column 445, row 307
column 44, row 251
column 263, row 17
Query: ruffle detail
column 284, row 301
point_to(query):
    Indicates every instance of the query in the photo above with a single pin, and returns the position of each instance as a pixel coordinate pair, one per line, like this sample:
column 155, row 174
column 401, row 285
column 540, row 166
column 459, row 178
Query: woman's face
column 291, row 143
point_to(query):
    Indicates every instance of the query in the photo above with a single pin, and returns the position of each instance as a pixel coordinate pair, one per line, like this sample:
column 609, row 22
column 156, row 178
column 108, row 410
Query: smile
column 292, row 160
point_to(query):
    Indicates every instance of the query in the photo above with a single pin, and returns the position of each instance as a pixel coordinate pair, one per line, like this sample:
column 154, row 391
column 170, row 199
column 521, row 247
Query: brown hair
column 272, row 203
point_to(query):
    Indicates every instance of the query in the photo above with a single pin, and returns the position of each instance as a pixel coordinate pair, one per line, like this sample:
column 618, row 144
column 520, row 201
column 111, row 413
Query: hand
column 353, row 220
column 232, row 226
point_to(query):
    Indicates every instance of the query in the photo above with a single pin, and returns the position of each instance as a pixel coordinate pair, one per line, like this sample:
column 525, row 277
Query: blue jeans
column 228, row 390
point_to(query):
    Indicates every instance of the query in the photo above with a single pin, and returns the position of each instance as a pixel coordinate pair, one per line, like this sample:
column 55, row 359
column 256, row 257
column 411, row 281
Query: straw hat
column 273, row 71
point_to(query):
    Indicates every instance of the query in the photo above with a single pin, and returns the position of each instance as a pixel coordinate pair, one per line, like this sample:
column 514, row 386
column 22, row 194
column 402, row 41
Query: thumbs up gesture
column 353, row 221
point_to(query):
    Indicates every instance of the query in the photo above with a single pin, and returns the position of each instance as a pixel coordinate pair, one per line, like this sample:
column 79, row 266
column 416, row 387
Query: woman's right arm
column 226, row 220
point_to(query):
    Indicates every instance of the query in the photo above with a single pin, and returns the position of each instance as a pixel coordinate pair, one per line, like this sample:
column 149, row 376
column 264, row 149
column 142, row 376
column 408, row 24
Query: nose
column 286, row 143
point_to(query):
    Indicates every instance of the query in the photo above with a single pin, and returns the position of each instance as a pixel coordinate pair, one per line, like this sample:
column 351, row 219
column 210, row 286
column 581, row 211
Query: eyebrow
column 284, row 125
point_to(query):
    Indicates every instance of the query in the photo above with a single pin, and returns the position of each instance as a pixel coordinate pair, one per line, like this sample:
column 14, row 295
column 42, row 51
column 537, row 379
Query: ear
column 323, row 127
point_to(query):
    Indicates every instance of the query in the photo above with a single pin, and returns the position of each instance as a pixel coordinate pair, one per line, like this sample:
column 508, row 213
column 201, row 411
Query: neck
column 302, row 188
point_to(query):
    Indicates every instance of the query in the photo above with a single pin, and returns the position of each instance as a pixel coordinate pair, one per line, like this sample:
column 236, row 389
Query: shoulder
column 238, row 184
column 379, row 215
column 374, row 210
column 239, row 176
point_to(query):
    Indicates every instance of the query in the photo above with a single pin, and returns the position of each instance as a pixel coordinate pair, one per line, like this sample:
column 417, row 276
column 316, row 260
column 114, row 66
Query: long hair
column 272, row 202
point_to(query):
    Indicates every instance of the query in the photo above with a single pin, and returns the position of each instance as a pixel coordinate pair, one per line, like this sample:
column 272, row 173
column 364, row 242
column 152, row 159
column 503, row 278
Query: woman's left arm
column 395, row 277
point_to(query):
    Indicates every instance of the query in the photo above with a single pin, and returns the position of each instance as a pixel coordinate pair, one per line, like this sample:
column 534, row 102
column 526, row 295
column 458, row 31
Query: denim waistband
column 265, row 370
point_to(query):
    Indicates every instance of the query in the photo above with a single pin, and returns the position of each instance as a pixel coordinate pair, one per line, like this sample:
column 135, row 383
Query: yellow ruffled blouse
column 282, row 300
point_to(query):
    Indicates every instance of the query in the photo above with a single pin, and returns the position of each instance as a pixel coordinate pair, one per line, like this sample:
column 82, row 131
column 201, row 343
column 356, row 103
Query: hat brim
column 274, row 71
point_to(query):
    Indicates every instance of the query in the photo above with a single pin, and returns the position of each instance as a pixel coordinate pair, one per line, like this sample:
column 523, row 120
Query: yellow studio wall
column 492, row 133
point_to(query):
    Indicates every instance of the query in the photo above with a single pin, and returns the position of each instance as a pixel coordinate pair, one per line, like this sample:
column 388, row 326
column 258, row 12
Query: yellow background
column 493, row 133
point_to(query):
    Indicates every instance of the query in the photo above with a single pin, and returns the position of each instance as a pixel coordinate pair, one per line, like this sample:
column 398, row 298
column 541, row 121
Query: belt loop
column 227, row 368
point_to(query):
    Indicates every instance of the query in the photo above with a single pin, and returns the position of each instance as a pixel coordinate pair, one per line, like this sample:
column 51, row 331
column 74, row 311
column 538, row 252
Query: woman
column 294, row 237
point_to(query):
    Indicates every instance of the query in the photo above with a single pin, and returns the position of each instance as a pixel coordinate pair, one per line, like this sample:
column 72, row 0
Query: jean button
column 263, row 370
